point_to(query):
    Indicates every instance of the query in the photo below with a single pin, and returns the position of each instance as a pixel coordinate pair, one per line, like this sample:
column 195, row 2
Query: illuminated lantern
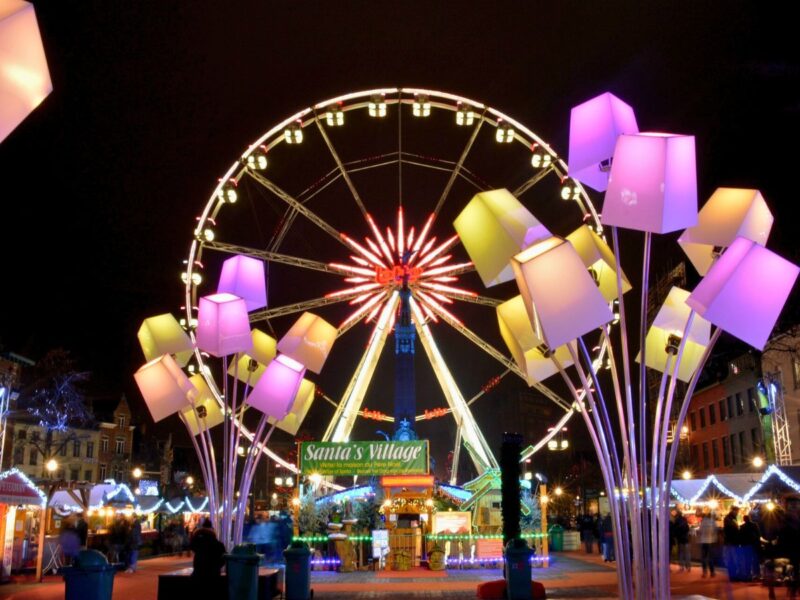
column 493, row 227
column 223, row 326
column 594, row 127
column 299, row 409
column 561, row 298
column 251, row 365
column 205, row 407
column 599, row 260
column 728, row 214
column 527, row 349
column 744, row 291
column 309, row 341
column 163, row 334
column 164, row 387
column 277, row 388
column 665, row 333
column 653, row 183
column 243, row 276
column 24, row 77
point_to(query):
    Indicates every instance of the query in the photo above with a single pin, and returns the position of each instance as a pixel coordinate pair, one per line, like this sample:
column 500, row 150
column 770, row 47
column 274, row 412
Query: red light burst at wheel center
column 385, row 263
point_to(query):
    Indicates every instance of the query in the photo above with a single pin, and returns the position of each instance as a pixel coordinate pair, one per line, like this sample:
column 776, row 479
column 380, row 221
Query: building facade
column 75, row 452
column 116, row 445
column 780, row 363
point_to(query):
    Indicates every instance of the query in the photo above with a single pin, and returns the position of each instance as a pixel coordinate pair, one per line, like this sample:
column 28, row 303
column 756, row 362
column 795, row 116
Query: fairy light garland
column 26, row 480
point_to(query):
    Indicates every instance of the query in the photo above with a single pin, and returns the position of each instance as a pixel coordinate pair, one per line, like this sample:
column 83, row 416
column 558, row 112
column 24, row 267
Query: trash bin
column 517, row 570
column 242, row 568
column 297, row 579
column 557, row 538
column 90, row 577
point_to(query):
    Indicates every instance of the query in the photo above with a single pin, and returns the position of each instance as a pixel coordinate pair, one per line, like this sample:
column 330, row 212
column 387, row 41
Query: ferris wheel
column 353, row 200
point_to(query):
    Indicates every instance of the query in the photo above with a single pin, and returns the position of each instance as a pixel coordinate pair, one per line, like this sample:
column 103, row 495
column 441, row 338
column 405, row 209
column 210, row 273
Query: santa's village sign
column 364, row 458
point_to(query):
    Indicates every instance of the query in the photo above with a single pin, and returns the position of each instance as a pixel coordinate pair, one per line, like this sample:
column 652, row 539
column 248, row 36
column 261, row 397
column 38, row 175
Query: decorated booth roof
column 741, row 487
column 17, row 488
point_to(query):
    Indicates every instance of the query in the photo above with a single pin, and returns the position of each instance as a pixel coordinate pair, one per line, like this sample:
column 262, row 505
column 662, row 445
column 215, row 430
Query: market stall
column 21, row 512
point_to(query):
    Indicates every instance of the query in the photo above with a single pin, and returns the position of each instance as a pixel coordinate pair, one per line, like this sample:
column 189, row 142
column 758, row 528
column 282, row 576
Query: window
column 63, row 450
column 104, row 444
column 705, row 456
column 694, row 423
column 121, row 421
column 89, row 449
column 117, row 475
column 33, row 456
column 34, row 436
column 726, row 451
column 712, row 414
column 751, row 399
column 87, row 475
column 729, row 402
column 73, row 474
column 21, row 434
column 739, row 404
column 76, row 450
column 19, row 455
column 756, row 441
column 702, row 412
column 695, row 457
column 120, row 446
column 734, row 454
column 796, row 371
column 742, row 446
column 715, row 453
column 722, row 410
column 102, row 472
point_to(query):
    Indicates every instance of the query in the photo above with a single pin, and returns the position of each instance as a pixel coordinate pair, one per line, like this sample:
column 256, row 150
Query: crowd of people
column 597, row 530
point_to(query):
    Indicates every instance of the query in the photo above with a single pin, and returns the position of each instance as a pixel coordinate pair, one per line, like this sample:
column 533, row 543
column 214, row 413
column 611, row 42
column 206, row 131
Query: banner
column 364, row 458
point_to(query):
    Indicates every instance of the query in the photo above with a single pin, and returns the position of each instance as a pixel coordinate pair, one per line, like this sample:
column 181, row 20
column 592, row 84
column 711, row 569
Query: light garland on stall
column 26, row 480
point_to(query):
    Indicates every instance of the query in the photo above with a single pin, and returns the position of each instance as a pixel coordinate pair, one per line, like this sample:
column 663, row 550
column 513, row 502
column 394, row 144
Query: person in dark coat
column 208, row 552
column 730, row 537
column 680, row 529
column 750, row 540
column 82, row 529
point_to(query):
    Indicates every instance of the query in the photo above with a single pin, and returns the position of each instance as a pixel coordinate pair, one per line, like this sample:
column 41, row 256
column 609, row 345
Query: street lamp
column 559, row 491
column 137, row 473
column 189, row 481
column 51, row 466
column 758, row 462
column 279, row 481
column 687, row 474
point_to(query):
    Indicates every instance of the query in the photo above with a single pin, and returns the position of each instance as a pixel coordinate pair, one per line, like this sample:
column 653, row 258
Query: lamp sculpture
column 258, row 373
column 565, row 294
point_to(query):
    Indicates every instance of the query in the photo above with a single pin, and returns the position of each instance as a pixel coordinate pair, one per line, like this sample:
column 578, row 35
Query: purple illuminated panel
column 745, row 290
column 275, row 391
column 593, row 130
column 243, row 276
column 223, row 327
column 653, row 183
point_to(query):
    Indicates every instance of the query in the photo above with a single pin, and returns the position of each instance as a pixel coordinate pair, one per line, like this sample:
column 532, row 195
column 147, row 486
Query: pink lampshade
column 653, row 183
column 164, row 387
column 24, row 77
column 276, row 390
column 223, row 327
column 593, row 130
column 243, row 276
column 744, row 291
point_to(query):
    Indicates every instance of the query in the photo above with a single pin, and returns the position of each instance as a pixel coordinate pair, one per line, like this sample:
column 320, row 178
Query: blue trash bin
column 90, row 577
column 298, row 572
column 518, row 570
column 241, row 566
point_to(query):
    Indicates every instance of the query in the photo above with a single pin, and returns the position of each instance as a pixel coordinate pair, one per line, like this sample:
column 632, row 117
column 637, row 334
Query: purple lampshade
column 744, row 291
column 653, row 183
column 243, row 276
column 223, row 327
column 275, row 392
column 164, row 387
column 593, row 130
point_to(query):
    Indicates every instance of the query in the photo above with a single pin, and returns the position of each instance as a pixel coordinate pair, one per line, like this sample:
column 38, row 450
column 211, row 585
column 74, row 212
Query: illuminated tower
column 404, row 383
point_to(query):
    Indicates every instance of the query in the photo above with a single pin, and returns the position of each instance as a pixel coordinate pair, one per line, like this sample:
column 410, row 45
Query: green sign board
column 364, row 458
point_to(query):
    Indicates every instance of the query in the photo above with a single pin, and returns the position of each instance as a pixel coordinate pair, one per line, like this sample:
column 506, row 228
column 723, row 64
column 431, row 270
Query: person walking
column 608, row 539
column 750, row 539
column 117, row 540
column 707, row 533
column 133, row 543
column 82, row 529
column 730, row 537
column 208, row 552
column 587, row 533
column 680, row 528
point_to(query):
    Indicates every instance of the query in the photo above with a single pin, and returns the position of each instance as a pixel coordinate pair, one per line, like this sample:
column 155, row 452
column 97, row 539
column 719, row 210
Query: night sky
column 153, row 101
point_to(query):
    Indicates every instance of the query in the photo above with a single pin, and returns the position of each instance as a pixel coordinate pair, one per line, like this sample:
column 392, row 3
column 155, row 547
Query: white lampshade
column 299, row 409
column 728, row 214
column 163, row 334
column 164, row 387
column 204, row 403
column 599, row 259
column 275, row 392
column 309, row 341
column 223, row 326
column 525, row 347
column 667, row 329
column 263, row 351
column 24, row 76
column 561, row 298
column 493, row 227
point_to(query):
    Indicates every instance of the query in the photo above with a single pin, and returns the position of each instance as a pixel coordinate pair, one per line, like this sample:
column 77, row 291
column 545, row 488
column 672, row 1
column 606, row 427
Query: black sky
column 153, row 101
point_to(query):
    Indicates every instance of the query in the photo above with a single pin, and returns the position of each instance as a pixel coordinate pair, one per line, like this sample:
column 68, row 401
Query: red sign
column 489, row 548
column 397, row 273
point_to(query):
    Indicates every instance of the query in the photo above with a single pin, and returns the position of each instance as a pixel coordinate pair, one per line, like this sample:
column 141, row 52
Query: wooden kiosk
column 408, row 507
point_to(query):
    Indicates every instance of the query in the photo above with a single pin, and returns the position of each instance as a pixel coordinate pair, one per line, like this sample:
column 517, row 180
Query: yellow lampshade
column 309, row 341
column 666, row 331
column 525, row 347
column 163, row 334
column 164, row 387
column 263, row 351
column 302, row 402
column 728, row 214
column 599, row 259
column 493, row 227
column 204, row 403
column 561, row 298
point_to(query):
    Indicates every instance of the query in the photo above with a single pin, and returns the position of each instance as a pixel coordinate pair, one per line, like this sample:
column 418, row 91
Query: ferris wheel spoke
column 339, row 164
column 277, row 257
column 288, row 309
column 458, row 166
column 297, row 206
column 533, row 181
column 482, row 300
